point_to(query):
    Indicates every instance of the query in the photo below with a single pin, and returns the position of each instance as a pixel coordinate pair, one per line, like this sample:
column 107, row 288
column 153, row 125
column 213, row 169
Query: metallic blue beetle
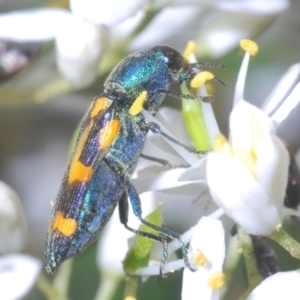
column 107, row 151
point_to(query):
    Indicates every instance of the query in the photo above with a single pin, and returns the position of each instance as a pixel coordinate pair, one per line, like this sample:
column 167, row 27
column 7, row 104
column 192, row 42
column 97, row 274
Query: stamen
column 216, row 280
column 130, row 298
column 137, row 105
column 221, row 145
column 200, row 259
column 189, row 49
column 201, row 78
column 250, row 46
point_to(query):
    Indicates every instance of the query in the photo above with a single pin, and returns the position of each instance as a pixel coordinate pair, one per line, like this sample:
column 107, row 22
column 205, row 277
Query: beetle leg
column 155, row 128
column 207, row 99
column 136, row 206
column 123, row 213
column 164, row 162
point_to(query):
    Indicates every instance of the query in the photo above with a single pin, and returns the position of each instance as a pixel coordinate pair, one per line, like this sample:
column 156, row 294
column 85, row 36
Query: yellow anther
column 201, row 78
column 130, row 298
column 189, row 49
column 216, row 280
column 200, row 259
column 250, row 46
column 137, row 105
column 279, row 227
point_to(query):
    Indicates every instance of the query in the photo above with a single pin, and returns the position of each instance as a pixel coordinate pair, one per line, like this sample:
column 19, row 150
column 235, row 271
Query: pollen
column 66, row 226
column 200, row 259
column 108, row 133
column 250, row 46
column 201, row 78
column 137, row 105
column 216, row 280
column 189, row 49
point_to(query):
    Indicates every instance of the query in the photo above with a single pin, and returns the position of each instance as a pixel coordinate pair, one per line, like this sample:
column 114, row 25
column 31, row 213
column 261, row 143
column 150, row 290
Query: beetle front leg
column 155, row 128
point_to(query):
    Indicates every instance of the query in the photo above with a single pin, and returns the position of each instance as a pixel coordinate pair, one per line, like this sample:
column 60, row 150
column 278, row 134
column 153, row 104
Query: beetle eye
column 173, row 58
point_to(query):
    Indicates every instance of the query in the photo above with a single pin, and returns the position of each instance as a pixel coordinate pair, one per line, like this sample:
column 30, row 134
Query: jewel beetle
column 107, row 150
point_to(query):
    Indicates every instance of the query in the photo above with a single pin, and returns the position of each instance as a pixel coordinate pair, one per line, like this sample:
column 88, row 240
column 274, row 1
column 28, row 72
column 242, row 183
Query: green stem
column 195, row 124
column 46, row 288
column 62, row 279
column 109, row 282
column 254, row 277
column 131, row 286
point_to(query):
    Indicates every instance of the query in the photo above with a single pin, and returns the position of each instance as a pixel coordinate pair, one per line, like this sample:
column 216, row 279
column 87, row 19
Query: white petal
column 195, row 284
column 272, row 169
column 254, row 6
column 237, row 192
column 282, row 285
column 244, row 119
column 32, row 25
column 105, row 12
column 162, row 181
column 185, row 17
column 213, row 249
column 287, row 106
column 284, row 85
column 219, row 35
column 78, row 46
column 12, row 222
column 189, row 157
column 18, row 273
column 250, row 127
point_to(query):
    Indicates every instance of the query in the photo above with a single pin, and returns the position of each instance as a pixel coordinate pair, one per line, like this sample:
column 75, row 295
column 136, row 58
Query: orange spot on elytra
column 78, row 171
column 100, row 104
column 66, row 226
column 108, row 133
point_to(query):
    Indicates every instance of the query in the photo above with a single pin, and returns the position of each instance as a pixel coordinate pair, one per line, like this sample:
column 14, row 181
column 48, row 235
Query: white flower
column 209, row 23
column 105, row 12
column 12, row 222
column 282, row 285
column 207, row 251
column 248, row 177
column 18, row 273
column 78, row 47
column 78, row 43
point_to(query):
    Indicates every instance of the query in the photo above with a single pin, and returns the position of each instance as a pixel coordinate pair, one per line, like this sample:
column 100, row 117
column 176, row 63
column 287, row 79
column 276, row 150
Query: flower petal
column 32, row 25
column 237, row 192
column 195, row 284
column 105, row 12
column 254, row 6
column 250, row 127
column 78, row 46
column 282, row 285
column 279, row 93
column 12, row 222
column 18, row 273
